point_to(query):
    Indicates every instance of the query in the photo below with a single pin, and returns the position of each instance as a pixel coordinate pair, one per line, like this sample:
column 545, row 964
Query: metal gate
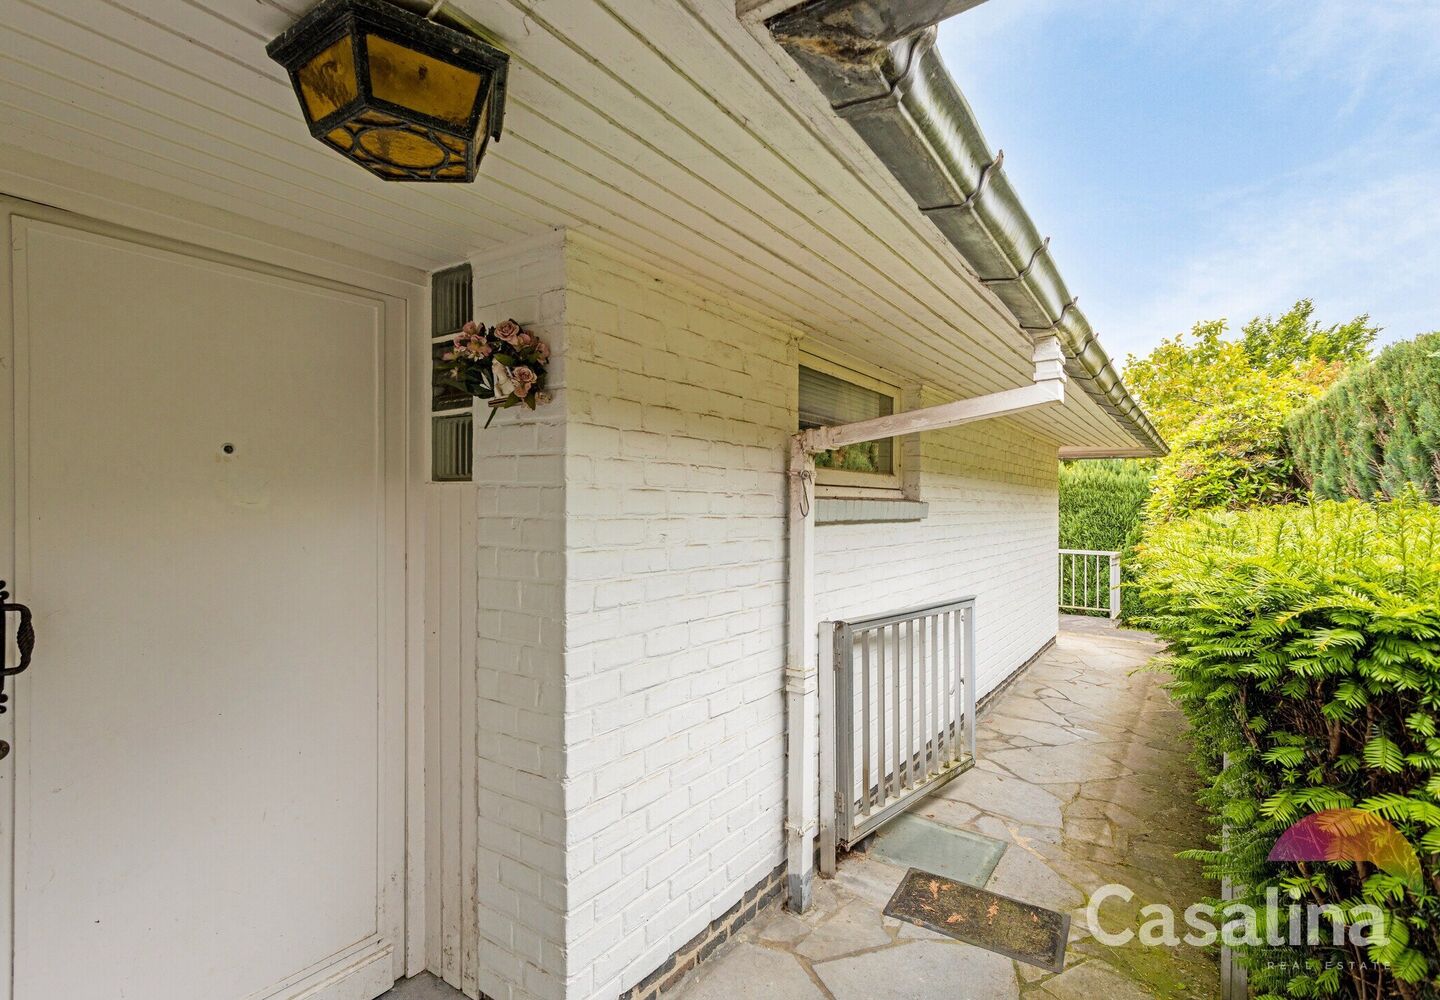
column 897, row 715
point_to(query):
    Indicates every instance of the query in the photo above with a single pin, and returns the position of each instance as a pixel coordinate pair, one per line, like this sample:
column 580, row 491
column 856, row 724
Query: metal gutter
column 876, row 63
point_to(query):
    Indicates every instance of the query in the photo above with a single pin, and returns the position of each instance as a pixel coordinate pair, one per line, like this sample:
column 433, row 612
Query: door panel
column 205, row 772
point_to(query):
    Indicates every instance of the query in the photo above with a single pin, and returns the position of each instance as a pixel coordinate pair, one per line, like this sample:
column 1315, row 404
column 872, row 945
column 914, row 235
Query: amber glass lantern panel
column 327, row 83
column 420, row 82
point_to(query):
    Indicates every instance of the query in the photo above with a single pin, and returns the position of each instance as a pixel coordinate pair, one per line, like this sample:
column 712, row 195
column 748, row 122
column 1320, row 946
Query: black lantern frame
column 365, row 116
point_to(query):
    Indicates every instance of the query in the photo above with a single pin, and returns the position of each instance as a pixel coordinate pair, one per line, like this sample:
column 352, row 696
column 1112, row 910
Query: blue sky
column 1221, row 159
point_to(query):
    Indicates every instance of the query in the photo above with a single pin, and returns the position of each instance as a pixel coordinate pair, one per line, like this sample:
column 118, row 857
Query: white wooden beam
column 935, row 418
column 1048, row 387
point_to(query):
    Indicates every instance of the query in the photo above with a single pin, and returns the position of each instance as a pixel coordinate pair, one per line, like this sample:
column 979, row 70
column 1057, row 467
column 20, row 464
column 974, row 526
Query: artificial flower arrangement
column 503, row 364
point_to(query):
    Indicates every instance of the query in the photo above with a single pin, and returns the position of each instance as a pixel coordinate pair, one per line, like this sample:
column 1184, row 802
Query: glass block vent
column 452, row 448
column 452, row 305
column 452, row 302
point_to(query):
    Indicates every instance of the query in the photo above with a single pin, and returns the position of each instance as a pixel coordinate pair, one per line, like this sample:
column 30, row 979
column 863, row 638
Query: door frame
column 402, row 294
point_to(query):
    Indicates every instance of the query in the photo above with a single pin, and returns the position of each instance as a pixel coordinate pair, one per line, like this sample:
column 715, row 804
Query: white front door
column 208, row 748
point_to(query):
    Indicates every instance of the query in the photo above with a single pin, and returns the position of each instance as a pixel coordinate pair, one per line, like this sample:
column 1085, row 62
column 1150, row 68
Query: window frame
column 845, row 482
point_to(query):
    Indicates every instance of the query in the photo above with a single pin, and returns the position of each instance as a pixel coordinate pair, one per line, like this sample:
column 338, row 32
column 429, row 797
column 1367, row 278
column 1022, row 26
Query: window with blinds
column 828, row 397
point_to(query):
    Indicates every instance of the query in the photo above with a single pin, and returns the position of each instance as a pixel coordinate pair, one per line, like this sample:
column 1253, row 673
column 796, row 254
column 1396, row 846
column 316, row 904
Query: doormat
column 1017, row 930
column 911, row 841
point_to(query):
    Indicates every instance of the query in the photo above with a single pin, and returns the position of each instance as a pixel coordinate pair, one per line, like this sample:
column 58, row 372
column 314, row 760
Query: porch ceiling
column 666, row 129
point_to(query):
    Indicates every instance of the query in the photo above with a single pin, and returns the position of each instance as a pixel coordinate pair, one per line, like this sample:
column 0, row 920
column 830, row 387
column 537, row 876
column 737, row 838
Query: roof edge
column 875, row 62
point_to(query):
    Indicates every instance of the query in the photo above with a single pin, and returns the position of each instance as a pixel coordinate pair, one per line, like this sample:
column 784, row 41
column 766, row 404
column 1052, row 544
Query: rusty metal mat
column 1018, row 930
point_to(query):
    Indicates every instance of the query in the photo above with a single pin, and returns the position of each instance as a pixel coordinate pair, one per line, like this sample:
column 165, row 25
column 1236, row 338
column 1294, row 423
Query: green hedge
column 1377, row 430
column 1306, row 652
column 1101, row 504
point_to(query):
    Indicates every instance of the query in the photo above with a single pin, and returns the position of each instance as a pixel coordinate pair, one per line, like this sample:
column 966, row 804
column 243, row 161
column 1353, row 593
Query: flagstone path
column 1084, row 775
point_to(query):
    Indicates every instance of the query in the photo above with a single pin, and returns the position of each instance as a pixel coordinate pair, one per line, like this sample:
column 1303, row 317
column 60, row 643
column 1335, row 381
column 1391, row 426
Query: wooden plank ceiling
column 665, row 128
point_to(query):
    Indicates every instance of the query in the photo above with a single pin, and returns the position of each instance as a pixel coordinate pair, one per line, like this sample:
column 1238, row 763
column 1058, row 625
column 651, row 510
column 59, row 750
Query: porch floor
column 423, row 987
column 1083, row 774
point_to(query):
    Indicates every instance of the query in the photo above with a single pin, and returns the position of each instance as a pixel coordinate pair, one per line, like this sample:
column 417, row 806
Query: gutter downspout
column 876, row 64
column 802, row 672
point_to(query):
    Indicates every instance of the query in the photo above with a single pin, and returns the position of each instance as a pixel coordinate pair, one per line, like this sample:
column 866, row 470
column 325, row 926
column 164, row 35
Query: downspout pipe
column 876, row 63
column 802, row 669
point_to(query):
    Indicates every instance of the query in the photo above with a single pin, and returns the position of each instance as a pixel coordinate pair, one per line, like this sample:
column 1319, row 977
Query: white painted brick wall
column 520, row 889
column 674, row 722
column 678, row 409
column 992, row 532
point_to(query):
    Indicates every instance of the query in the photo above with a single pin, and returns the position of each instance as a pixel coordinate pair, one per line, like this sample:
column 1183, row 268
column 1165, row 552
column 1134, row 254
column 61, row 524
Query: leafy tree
column 1234, row 457
column 1297, row 341
column 1185, row 375
column 1221, row 404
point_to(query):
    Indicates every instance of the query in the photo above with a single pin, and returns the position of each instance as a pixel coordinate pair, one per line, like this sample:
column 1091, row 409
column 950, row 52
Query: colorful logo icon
column 1350, row 835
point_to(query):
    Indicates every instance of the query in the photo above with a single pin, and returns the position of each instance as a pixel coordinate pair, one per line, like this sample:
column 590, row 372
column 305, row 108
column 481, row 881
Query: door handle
column 24, row 641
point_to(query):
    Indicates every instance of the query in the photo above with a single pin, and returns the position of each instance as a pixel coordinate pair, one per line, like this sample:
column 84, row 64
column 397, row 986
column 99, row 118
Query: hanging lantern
column 403, row 96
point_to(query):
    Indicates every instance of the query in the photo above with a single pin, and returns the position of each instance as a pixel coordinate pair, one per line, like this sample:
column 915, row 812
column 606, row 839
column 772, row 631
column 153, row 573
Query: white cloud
column 1358, row 42
column 1358, row 231
column 1358, row 239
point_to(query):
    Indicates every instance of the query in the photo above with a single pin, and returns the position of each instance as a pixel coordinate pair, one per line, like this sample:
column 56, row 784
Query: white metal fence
column 897, row 715
column 1090, row 581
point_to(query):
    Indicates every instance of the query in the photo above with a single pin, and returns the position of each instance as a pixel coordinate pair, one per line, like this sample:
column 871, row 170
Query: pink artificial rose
column 524, row 378
column 524, row 340
column 508, row 331
column 542, row 351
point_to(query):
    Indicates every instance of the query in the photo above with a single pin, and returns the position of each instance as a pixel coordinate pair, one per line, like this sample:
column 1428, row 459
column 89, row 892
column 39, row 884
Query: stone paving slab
column 1092, row 980
column 1001, row 794
column 763, row 975
column 1083, row 775
column 921, row 970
